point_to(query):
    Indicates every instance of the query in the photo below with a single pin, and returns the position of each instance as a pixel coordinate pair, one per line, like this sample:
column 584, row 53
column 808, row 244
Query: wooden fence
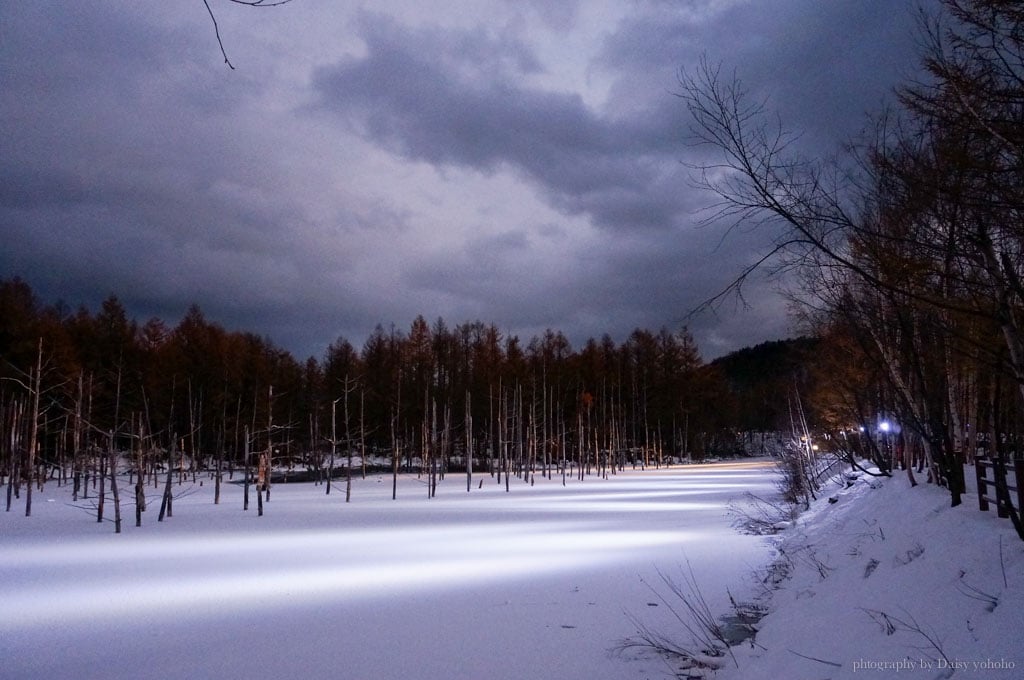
column 986, row 485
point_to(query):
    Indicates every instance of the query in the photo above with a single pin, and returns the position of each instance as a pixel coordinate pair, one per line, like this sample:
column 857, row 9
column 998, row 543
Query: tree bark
column 33, row 435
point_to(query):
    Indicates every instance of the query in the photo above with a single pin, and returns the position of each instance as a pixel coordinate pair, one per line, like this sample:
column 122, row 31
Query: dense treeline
column 418, row 399
column 911, row 246
column 764, row 379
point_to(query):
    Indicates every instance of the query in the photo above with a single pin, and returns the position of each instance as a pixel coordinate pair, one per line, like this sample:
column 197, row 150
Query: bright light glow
column 455, row 579
column 331, row 564
column 884, row 426
column 312, row 549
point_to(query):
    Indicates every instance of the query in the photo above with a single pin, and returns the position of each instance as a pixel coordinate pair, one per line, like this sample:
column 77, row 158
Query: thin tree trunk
column 102, row 497
column 166, row 504
column 270, row 446
column 33, row 429
column 140, row 494
column 113, row 486
column 334, row 444
column 248, row 471
column 221, row 445
column 362, row 430
column 469, row 441
column 394, row 461
column 12, row 460
column 348, row 445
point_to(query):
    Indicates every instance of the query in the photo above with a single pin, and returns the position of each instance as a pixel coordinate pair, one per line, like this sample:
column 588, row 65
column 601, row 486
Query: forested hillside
column 764, row 380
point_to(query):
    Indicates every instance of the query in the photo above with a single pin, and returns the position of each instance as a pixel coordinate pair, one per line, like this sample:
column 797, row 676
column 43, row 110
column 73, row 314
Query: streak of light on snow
column 375, row 588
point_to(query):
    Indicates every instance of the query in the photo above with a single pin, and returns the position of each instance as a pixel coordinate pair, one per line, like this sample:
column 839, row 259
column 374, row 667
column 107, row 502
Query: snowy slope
column 890, row 581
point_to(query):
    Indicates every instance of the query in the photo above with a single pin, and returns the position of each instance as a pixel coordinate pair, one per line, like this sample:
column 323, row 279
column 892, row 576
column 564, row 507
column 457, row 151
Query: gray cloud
column 519, row 163
column 428, row 95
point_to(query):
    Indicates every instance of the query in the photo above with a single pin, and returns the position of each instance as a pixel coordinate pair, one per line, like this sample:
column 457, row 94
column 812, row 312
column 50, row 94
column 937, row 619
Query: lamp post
column 885, row 427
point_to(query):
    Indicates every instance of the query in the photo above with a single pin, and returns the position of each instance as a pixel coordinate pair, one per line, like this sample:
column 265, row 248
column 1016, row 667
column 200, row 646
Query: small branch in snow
column 811, row 658
column 966, row 589
column 691, row 610
column 1002, row 564
column 890, row 625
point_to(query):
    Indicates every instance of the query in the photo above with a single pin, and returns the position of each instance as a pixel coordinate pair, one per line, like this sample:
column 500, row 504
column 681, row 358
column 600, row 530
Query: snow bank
column 889, row 581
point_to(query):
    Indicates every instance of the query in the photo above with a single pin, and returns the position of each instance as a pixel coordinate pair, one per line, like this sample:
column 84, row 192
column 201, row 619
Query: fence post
column 999, row 476
column 979, row 471
column 1018, row 473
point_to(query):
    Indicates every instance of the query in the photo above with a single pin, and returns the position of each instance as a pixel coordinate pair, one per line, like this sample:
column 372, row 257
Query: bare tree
column 856, row 229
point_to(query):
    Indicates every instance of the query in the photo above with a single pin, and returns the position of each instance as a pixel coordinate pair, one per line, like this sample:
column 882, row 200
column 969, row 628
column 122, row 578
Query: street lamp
column 886, row 428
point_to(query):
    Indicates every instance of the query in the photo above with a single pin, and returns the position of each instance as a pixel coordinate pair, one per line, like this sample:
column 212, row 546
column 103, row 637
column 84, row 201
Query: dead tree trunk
column 33, row 434
column 140, row 494
column 13, row 471
column 248, row 471
column 166, row 503
column 362, row 430
column 469, row 442
column 102, row 474
column 348, row 445
column 76, row 443
column 113, row 485
column 394, row 460
column 270, row 446
column 221, row 446
column 334, row 444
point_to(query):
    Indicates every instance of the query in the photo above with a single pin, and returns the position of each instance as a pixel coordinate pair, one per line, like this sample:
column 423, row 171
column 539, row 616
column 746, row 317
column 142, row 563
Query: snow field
column 536, row 583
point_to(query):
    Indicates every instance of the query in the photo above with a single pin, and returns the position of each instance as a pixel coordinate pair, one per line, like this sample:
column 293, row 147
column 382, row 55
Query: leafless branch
column 890, row 625
column 247, row 3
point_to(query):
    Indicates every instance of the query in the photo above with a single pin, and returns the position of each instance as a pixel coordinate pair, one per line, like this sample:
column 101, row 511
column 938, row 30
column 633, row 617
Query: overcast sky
column 520, row 162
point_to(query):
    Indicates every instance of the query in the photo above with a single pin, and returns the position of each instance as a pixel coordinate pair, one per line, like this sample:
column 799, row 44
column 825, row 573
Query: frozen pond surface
column 536, row 583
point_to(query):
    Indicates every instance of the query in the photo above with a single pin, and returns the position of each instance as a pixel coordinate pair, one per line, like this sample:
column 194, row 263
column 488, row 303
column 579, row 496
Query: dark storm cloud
column 23, row 188
column 124, row 174
column 427, row 95
column 431, row 96
column 60, row 51
column 132, row 162
column 624, row 281
column 422, row 95
column 822, row 67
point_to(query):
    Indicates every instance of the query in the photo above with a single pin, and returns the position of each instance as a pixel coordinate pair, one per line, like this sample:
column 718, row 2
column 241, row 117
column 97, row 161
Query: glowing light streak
column 281, row 568
column 195, row 567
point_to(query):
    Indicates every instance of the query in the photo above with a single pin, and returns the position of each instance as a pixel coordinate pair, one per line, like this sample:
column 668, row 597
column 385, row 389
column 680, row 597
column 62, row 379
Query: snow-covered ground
column 541, row 582
column 889, row 581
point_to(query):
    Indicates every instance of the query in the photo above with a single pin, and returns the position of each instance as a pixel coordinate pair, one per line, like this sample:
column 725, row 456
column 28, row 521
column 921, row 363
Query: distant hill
column 761, row 380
